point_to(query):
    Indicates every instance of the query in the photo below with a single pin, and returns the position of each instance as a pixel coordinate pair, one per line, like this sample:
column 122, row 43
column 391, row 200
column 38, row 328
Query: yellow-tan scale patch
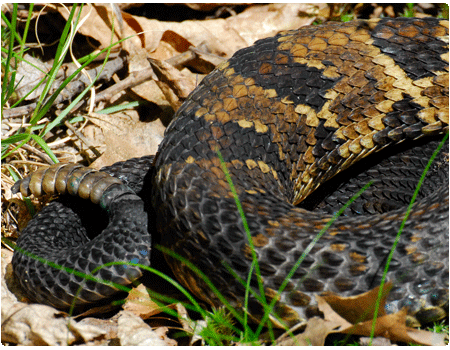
column 213, row 168
column 253, row 107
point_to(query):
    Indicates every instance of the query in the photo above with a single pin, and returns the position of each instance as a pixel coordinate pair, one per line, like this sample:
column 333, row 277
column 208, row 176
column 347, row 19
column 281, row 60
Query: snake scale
column 355, row 101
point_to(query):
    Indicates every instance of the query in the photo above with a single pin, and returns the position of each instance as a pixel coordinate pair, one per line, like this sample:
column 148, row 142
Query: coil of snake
column 287, row 114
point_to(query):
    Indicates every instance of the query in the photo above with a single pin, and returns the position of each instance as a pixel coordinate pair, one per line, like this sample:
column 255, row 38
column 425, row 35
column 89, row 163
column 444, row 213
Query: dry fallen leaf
column 139, row 303
column 174, row 84
column 43, row 325
column 353, row 315
column 358, row 310
column 29, row 72
column 133, row 331
column 127, row 137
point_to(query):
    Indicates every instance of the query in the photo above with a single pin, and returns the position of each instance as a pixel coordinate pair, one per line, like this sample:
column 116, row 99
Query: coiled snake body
column 287, row 114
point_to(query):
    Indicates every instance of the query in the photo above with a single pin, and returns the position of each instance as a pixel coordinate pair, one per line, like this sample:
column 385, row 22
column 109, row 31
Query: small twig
column 19, row 111
column 40, row 154
column 132, row 80
column 82, row 138
column 74, row 87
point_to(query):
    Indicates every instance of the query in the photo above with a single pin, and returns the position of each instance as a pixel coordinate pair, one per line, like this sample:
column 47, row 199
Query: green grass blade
column 400, row 230
column 6, row 85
